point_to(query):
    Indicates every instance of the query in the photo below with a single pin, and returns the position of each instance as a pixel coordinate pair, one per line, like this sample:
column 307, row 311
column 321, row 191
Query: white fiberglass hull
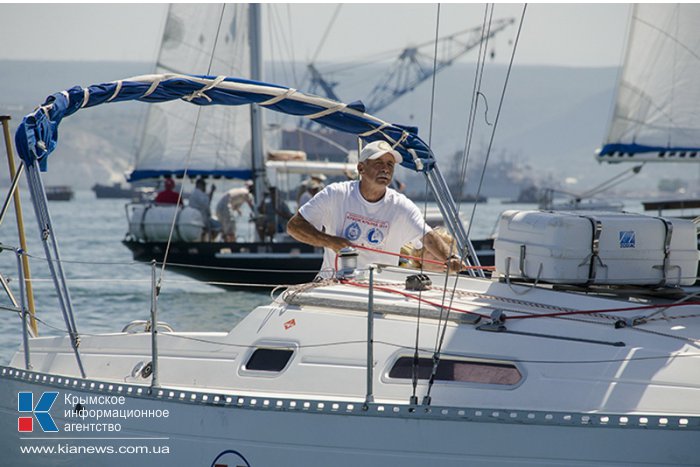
column 261, row 431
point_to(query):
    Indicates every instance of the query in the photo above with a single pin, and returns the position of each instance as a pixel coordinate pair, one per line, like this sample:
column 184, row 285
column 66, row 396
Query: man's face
column 378, row 171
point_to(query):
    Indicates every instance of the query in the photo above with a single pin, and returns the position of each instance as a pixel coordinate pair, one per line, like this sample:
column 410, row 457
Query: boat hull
column 229, row 264
column 115, row 192
column 266, row 431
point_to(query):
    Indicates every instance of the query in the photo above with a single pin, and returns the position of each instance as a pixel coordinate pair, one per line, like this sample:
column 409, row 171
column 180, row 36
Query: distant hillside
column 29, row 82
column 96, row 145
column 552, row 119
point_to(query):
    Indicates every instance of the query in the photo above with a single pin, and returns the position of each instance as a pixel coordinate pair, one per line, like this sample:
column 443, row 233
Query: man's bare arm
column 441, row 250
column 302, row 230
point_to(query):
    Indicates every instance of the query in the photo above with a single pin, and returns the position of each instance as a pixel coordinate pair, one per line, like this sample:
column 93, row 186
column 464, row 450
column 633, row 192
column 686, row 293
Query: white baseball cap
column 377, row 149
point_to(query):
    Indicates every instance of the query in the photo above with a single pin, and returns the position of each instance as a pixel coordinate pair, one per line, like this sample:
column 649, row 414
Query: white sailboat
column 379, row 367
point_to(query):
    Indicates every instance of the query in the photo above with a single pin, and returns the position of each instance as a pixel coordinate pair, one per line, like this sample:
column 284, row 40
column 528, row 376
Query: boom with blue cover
column 37, row 135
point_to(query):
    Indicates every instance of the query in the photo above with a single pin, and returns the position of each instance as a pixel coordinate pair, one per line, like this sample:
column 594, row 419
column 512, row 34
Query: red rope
column 416, row 258
column 545, row 315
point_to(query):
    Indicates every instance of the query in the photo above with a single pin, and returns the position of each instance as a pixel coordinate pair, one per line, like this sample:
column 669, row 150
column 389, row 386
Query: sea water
column 109, row 290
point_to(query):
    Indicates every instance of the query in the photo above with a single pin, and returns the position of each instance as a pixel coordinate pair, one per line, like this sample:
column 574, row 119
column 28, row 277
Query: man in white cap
column 366, row 213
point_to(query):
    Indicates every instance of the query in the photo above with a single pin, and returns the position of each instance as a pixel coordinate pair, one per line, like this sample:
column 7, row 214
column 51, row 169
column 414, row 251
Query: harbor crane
column 414, row 65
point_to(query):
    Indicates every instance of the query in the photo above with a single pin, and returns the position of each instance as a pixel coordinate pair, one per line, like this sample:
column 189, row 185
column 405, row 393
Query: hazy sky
column 557, row 34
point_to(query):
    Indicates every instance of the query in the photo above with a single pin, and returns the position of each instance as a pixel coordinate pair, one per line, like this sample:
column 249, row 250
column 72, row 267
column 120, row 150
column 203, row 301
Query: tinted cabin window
column 458, row 370
column 269, row 359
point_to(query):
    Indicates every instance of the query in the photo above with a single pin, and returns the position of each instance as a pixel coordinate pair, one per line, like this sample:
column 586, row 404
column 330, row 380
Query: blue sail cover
column 37, row 135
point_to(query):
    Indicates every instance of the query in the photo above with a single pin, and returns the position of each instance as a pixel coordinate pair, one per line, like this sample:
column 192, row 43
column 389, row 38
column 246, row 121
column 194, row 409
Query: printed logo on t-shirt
column 371, row 231
column 353, row 231
column 375, row 236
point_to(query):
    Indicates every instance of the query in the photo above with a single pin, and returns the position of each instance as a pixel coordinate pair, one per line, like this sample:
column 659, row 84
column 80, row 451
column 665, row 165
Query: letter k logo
column 25, row 403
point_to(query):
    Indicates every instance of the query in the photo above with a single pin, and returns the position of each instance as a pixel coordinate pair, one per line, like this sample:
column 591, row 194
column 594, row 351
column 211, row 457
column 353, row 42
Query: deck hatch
column 269, row 359
column 464, row 371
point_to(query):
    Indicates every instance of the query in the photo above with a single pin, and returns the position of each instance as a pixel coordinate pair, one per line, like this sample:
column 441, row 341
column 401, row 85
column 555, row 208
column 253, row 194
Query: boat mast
column 256, row 141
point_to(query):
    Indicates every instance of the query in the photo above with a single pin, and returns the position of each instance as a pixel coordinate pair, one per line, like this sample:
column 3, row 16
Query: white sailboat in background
column 386, row 366
column 221, row 143
column 655, row 118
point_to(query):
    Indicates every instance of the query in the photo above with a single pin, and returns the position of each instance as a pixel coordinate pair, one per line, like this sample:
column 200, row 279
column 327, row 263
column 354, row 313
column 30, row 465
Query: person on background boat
column 367, row 213
column 229, row 206
column 201, row 201
column 273, row 214
column 168, row 195
column 312, row 187
column 318, row 179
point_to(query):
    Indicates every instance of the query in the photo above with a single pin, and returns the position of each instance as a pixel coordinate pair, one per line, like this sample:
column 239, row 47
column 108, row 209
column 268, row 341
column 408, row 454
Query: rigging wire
column 188, row 160
column 471, row 119
column 322, row 42
column 442, row 325
column 436, row 355
column 498, row 114
column 292, row 57
column 616, row 180
column 416, row 362
column 282, row 43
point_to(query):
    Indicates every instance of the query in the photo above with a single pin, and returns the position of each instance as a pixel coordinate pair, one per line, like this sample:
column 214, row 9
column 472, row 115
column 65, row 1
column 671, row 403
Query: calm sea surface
column 108, row 289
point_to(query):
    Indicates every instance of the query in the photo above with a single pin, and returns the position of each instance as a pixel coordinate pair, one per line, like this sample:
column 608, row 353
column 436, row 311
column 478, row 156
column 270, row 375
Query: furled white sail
column 656, row 114
column 211, row 39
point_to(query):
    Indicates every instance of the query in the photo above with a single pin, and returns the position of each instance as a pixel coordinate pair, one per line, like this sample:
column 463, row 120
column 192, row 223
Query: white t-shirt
column 387, row 224
column 233, row 199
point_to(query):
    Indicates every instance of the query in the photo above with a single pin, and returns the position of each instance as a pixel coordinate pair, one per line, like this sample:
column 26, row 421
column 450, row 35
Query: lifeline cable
column 397, row 346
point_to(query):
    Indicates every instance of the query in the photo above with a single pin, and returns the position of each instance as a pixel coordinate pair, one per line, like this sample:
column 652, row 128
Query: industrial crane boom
column 414, row 66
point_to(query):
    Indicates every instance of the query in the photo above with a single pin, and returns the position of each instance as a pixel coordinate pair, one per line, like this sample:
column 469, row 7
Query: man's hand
column 338, row 243
column 455, row 264
column 439, row 249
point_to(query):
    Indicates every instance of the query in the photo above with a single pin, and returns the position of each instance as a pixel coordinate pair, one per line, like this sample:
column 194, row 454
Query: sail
column 656, row 116
column 211, row 39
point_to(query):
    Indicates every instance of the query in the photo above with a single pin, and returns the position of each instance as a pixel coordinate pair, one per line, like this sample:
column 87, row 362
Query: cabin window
column 269, row 359
column 464, row 371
